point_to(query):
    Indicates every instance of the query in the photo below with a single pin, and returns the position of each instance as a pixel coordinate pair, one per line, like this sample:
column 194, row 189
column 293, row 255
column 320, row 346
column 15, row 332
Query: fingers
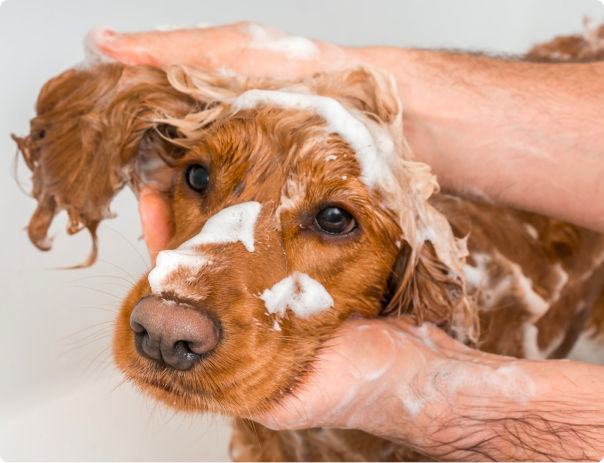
column 243, row 48
column 208, row 48
column 156, row 215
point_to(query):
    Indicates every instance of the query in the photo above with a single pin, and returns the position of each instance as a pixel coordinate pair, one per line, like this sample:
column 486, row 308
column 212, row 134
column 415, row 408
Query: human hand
column 390, row 378
column 243, row 48
column 156, row 220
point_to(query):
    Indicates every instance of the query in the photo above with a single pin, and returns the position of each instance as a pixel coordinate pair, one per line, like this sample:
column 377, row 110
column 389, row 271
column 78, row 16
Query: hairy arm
column 527, row 135
column 560, row 417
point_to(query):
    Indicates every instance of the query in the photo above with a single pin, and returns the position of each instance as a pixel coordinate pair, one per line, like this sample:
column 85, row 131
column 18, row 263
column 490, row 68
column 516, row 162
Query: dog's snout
column 173, row 333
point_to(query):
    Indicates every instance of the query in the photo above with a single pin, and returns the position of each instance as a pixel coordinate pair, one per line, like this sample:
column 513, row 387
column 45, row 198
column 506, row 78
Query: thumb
column 155, row 214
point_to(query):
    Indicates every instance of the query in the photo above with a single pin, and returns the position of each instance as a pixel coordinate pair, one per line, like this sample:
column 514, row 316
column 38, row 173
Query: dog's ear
column 369, row 90
column 424, row 288
column 91, row 126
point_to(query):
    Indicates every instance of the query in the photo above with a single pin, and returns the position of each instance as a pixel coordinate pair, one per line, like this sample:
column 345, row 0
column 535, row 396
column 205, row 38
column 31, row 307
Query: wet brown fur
column 94, row 126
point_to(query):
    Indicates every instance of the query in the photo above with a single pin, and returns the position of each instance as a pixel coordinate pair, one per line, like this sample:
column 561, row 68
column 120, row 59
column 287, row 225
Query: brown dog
column 296, row 206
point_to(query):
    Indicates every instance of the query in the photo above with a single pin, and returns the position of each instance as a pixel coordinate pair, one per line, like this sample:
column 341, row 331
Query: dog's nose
column 171, row 332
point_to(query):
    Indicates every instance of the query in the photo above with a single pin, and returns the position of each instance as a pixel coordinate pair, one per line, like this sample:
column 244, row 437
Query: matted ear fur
column 426, row 290
column 86, row 133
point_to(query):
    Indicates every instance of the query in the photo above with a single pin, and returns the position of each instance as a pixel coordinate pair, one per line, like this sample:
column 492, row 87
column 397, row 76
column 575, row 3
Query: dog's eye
column 335, row 221
column 197, row 177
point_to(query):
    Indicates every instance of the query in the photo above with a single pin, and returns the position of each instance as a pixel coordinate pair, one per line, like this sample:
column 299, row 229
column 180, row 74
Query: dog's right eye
column 335, row 221
column 197, row 177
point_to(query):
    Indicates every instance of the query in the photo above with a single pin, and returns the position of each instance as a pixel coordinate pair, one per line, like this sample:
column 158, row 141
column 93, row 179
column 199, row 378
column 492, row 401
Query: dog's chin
column 188, row 392
column 178, row 398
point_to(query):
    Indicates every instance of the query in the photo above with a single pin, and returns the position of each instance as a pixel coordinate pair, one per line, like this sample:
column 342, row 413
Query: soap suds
column 232, row 224
column 449, row 377
column 511, row 281
column 532, row 231
column 170, row 261
column 92, row 54
column 530, row 343
column 374, row 167
column 263, row 38
column 300, row 293
column 171, row 27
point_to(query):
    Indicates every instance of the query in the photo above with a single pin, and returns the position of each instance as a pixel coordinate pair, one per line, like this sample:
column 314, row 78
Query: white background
column 60, row 396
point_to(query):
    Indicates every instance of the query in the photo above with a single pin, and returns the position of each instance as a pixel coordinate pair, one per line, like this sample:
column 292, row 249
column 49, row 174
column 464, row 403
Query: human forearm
column 527, row 135
column 495, row 408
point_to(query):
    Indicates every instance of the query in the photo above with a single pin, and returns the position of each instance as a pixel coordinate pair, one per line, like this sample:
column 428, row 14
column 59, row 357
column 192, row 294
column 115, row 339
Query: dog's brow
column 373, row 152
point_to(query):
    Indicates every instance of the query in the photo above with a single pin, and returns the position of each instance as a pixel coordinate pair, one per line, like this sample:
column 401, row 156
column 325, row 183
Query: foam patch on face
column 232, row 224
column 300, row 293
column 169, row 261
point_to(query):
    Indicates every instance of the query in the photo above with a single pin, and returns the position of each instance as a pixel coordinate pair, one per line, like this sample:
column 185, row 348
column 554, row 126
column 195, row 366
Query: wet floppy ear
column 91, row 126
column 425, row 289
column 158, row 152
column 367, row 89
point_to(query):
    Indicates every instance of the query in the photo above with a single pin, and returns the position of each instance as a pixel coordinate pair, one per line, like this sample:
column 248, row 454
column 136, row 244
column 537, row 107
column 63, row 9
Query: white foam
column 535, row 304
column 447, row 378
column 372, row 154
column 476, row 276
column 532, row 231
column 92, row 54
column 170, row 261
column 300, row 293
column 513, row 281
column 530, row 342
column 232, row 224
column 291, row 47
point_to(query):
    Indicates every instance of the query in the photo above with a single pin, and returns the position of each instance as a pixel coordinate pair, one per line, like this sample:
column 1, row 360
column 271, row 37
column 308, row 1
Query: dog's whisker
column 101, row 278
column 142, row 258
column 133, row 279
column 110, row 308
column 81, row 341
column 100, row 291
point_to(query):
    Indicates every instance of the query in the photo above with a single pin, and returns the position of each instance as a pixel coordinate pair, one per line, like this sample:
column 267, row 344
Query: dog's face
column 282, row 242
column 295, row 207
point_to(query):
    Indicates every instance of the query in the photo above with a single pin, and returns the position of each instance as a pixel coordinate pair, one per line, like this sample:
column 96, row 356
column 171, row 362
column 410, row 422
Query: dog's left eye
column 197, row 177
column 335, row 221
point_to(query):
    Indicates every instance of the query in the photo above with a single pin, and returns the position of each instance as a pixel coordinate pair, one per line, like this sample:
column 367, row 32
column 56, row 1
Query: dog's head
column 296, row 205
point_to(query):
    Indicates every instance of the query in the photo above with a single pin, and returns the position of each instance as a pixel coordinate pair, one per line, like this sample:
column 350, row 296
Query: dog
column 296, row 206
